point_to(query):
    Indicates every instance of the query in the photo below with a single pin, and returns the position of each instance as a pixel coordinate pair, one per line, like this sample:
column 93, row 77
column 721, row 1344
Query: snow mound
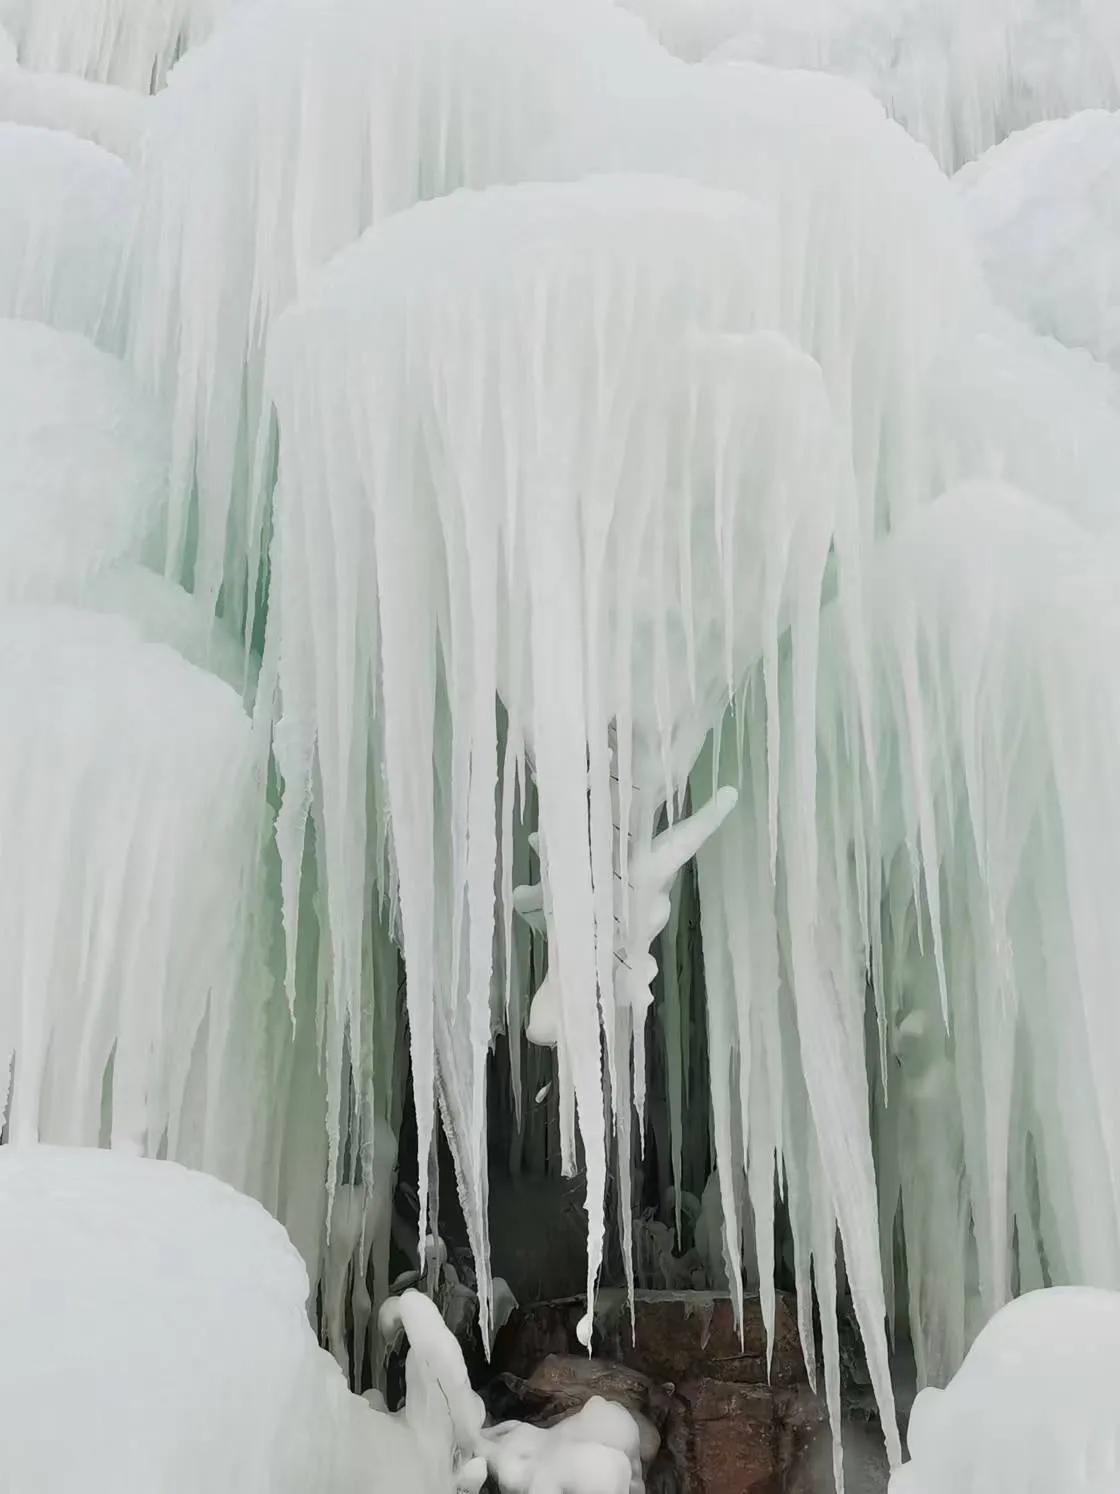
column 62, row 232
column 108, row 116
column 274, row 146
column 130, row 43
column 153, row 1335
column 1045, row 208
column 83, row 462
column 1033, row 1408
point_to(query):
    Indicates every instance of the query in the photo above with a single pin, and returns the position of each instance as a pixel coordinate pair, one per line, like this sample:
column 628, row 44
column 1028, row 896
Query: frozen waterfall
column 556, row 606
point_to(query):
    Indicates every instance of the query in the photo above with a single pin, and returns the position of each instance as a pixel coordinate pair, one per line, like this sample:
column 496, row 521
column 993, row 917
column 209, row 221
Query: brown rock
column 727, row 1441
column 676, row 1336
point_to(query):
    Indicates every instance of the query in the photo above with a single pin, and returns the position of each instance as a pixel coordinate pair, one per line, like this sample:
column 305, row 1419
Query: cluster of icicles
column 459, row 462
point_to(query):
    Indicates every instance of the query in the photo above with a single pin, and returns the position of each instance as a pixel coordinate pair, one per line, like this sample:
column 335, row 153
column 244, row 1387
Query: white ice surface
column 154, row 1337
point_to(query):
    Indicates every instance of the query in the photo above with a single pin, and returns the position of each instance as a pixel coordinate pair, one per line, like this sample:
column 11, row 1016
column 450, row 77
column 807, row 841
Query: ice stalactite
column 67, row 207
column 158, row 1318
column 100, row 112
column 1043, row 208
column 274, row 146
column 996, row 841
column 623, row 487
column 130, row 43
column 959, row 77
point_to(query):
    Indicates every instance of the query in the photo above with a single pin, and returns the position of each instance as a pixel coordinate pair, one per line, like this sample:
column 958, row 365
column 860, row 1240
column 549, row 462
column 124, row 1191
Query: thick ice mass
column 154, row 1336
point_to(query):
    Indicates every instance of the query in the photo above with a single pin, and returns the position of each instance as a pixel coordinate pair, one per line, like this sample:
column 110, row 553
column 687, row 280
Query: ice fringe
column 299, row 125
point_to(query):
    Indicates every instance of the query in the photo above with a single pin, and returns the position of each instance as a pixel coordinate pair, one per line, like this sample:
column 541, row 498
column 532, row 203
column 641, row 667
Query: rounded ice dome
column 1033, row 1408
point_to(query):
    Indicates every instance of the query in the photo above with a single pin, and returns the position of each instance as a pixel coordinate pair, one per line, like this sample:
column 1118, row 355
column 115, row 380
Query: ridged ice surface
column 155, row 1338
column 132, row 43
column 63, row 230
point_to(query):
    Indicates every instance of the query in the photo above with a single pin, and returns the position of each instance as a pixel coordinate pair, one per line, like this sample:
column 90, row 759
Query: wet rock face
column 711, row 1421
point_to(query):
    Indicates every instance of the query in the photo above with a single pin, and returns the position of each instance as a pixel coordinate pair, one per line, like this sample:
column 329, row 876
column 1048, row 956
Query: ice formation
column 333, row 116
column 63, row 230
column 154, row 1337
column 108, row 116
column 133, row 995
column 83, row 463
column 131, row 43
column 623, row 462
column 1043, row 206
column 959, row 76
column 1033, row 1408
